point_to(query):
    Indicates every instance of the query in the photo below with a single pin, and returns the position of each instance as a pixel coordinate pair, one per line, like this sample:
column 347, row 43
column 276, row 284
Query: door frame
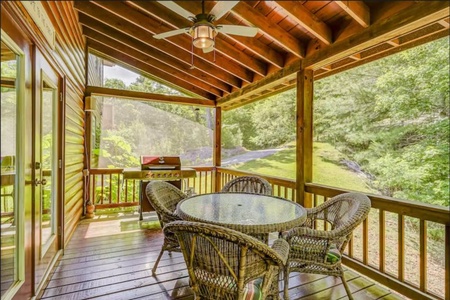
column 40, row 63
column 19, row 186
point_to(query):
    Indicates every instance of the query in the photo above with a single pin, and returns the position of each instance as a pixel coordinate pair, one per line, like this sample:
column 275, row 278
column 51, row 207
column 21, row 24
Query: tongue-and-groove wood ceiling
column 327, row 36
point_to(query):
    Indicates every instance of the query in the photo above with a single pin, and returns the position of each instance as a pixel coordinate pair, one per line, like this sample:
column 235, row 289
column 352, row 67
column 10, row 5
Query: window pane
column 128, row 129
column 8, row 169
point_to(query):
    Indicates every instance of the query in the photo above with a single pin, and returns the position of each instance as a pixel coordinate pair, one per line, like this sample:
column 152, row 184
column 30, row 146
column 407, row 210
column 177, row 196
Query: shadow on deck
column 111, row 256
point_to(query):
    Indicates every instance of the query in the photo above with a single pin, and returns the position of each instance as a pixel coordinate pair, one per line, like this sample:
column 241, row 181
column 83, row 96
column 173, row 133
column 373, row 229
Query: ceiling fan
column 203, row 31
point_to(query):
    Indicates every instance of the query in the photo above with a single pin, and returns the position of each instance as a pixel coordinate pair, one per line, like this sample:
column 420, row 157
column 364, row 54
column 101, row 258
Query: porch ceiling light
column 203, row 35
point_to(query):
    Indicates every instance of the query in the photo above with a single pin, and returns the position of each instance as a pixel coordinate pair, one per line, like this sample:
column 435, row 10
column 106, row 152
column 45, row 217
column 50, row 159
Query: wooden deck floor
column 111, row 257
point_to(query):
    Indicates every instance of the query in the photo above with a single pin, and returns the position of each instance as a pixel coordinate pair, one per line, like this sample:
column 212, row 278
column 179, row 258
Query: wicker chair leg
column 347, row 289
column 157, row 261
column 286, row 282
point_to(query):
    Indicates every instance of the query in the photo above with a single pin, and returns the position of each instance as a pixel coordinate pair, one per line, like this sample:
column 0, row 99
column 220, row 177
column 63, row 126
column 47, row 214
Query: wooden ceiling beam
column 307, row 20
column 142, row 96
column 418, row 15
column 444, row 23
column 92, row 28
column 122, row 25
column 252, row 44
column 151, row 72
column 261, row 50
column 358, row 10
column 280, row 36
column 212, row 72
column 378, row 55
column 153, row 26
column 180, row 73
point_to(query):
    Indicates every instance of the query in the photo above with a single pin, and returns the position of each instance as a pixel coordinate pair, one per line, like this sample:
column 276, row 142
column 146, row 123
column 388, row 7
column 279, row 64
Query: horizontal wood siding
column 69, row 55
column 95, row 70
column 74, row 159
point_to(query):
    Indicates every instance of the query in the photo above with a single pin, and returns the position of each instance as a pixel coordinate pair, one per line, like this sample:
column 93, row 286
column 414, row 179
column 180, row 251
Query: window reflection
column 8, row 154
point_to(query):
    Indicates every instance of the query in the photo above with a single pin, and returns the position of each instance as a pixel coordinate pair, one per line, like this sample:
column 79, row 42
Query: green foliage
column 117, row 150
column 274, row 120
column 267, row 123
column 391, row 117
column 114, row 83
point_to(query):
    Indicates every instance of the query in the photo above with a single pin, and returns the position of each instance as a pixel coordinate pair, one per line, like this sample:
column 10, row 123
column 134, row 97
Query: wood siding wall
column 68, row 59
column 70, row 56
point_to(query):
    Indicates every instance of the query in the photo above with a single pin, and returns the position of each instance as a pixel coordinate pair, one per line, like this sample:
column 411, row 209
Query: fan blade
column 177, row 9
column 221, row 8
column 171, row 33
column 209, row 49
column 238, row 30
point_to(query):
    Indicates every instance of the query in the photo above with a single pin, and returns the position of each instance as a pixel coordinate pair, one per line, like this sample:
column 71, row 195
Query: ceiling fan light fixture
column 203, row 36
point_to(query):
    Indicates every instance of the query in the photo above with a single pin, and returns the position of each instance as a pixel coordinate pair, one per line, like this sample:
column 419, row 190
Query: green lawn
column 326, row 167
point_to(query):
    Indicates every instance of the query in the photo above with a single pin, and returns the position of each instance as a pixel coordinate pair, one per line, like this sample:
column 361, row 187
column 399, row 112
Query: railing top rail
column 289, row 183
column 414, row 209
column 101, row 171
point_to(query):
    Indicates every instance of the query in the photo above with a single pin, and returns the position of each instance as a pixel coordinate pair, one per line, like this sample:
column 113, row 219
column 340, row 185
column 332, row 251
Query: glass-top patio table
column 254, row 214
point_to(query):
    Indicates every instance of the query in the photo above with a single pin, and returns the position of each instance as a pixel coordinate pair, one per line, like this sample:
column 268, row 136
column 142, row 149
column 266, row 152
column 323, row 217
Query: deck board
column 111, row 258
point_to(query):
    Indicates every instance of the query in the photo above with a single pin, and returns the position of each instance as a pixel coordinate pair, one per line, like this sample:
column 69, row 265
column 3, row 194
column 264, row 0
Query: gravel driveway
column 248, row 156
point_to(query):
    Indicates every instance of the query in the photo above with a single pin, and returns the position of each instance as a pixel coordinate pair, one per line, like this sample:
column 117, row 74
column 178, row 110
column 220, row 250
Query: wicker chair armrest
column 331, row 235
column 170, row 217
column 281, row 247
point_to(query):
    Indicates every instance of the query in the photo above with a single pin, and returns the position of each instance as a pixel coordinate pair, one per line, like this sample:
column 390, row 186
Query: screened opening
column 127, row 129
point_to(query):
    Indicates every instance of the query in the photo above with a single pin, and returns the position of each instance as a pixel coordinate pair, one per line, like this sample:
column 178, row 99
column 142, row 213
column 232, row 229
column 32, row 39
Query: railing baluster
column 126, row 190
column 93, row 178
column 118, row 189
column 401, row 247
column 365, row 240
column 315, row 203
column 110, row 189
column 382, row 239
column 102, row 191
column 423, row 255
column 350, row 246
column 447, row 262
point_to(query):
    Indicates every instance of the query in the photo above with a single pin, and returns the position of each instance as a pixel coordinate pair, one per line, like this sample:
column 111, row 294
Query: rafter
column 152, row 26
column 136, row 32
column 181, row 73
column 358, row 10
column 418, row 15
column 114, row 55
column 261, row 50
column 92, row 27
column 286, row 40
column 307, row 20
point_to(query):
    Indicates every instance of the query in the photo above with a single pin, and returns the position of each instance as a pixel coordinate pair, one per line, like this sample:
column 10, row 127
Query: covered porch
column 53, row 54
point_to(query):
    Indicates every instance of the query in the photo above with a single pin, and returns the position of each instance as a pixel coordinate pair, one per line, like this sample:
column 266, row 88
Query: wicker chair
column 226, row 264
column 248, row 184
column 320, row 251
column 164, row 198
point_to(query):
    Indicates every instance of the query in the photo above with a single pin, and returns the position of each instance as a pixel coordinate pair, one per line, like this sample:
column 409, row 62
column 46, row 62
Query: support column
column 217, row 151
column 304, row 143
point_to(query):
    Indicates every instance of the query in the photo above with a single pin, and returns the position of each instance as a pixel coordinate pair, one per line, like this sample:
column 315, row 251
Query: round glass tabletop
column 251, row 213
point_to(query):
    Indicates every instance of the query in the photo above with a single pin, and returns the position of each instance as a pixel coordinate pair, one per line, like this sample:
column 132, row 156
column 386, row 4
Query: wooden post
column 447, row 261
column 217, row 153
column 304, row 134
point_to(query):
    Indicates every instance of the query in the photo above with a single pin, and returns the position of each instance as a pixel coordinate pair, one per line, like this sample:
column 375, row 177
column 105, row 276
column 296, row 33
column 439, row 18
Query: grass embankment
column 326, row 167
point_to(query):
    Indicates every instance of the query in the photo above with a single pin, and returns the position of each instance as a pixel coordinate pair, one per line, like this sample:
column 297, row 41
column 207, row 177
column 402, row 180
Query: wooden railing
column 413, row 233
column 108, row 189
column 281, row 187
column 402, row 244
